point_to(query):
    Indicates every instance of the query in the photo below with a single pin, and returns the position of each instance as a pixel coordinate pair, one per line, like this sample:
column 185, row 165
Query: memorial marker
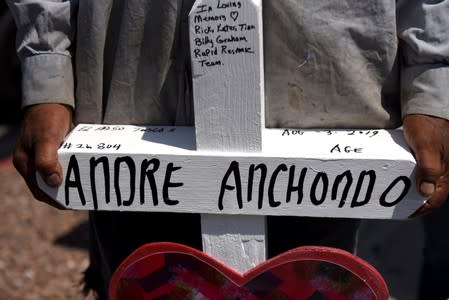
column 338, row 173
column 227, row 74
column 229, row 167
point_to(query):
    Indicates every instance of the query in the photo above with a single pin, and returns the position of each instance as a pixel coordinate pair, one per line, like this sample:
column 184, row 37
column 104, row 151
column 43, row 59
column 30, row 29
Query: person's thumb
column 431, row 180
column 429, row 170
column 47, row 164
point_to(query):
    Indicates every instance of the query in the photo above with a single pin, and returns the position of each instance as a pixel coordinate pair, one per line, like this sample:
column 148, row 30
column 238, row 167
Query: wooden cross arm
column 327, row 173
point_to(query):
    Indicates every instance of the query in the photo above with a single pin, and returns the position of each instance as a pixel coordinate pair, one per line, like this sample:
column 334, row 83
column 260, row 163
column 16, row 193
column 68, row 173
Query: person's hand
column 44, row 127
column 428, row 139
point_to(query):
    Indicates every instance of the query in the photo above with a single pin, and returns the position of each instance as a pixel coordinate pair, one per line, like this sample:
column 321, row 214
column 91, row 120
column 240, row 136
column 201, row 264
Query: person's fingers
column 44, row 127
column 37, row 192
column 20, row 159
column 427, row 175
column 25, row 166
column 430, row 168
column 46, row 162
column 438, row 192
column 438, row 198
column 426, row 137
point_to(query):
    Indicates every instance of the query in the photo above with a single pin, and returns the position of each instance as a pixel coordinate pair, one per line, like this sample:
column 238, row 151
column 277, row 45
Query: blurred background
column 43, row 252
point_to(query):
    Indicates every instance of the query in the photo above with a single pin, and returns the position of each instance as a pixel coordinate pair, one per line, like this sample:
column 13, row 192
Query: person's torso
column 327, row 63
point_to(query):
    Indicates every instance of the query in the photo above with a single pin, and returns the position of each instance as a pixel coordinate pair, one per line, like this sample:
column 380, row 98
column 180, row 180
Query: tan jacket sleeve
column 423, row 30
column 45, row 33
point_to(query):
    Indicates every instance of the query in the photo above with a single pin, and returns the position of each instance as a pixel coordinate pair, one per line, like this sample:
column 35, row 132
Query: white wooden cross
column 229, row 167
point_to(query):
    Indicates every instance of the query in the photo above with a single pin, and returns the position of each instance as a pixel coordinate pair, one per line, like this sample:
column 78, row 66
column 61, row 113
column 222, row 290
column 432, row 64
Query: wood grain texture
column 228, row 87
column 227, row 66
column 381, row 160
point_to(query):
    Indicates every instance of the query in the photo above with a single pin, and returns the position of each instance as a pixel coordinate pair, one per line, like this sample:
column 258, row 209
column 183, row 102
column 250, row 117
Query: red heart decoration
column 173, row 271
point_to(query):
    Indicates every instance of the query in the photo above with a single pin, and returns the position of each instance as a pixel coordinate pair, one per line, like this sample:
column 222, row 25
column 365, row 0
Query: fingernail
column 427, row 188
column 424, row 209
column 53, row 180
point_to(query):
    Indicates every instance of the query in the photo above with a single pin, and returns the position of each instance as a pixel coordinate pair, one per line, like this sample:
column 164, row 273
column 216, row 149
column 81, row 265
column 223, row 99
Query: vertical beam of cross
column 228, row 88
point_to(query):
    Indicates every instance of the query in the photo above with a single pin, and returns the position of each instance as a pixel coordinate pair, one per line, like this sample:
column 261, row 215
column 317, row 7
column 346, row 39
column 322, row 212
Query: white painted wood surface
column 227, row 74
column 227, row 65
column 202, row 172
column 229, row 167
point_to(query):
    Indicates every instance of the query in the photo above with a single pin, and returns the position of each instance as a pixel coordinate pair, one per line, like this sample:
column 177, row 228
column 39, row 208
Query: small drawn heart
column 173, row 271
column 234, row 15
